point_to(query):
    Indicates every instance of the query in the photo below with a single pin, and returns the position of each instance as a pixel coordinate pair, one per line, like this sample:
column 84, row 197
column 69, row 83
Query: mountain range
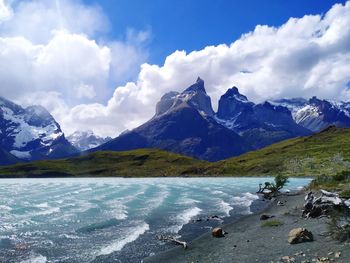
column 85, row 140
column 184, row 123
column 29, row 134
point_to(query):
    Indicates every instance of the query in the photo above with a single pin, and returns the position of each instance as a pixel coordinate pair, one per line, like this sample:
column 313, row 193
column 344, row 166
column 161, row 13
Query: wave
column 184, row 218
column 119, row 244
column 5, row 208
column 245, row 201
column 225, row 207
column 48, row 211
column 35, row 259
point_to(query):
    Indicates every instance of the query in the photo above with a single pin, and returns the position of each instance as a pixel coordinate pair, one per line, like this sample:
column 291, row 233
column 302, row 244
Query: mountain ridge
column 323, row 153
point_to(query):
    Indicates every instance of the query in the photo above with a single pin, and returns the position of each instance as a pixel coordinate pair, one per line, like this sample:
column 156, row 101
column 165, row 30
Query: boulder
column 217, row 232
column 299, row 235
column 265, row 217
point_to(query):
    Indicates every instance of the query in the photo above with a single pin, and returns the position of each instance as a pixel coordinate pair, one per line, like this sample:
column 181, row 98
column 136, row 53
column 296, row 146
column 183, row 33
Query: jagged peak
column 234, row 93
column 196, row 87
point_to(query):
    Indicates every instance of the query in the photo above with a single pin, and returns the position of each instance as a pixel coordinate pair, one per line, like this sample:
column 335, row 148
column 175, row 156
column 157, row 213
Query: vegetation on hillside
column 321, row 155
column 325, row 153
column 136, row 163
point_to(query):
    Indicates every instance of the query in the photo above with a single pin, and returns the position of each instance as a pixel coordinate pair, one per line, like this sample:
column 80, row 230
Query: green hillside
column 137, row 163
column 325, row 153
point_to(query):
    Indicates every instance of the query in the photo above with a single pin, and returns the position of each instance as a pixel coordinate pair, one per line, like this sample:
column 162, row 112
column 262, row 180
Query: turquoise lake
column 116, row 219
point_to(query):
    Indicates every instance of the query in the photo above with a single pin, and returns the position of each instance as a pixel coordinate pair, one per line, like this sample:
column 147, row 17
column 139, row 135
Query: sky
column 103, row 65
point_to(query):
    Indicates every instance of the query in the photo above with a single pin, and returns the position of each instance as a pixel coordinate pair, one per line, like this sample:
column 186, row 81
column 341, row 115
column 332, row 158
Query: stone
column 217, row 232
column 265, row 217
column 299, row 235
column 316, row 211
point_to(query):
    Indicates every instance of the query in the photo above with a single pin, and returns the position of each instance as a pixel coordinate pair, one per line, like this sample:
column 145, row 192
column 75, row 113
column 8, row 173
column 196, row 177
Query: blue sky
column 104, row 65
column 194, row 24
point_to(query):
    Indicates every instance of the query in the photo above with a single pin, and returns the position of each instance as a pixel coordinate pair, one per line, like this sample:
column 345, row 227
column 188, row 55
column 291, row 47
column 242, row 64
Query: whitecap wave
column 119, row 244
column 5, row 208
column 184, row 218
column 245, row 201
column 37, row 258
column 48, row 211
column 225, row 207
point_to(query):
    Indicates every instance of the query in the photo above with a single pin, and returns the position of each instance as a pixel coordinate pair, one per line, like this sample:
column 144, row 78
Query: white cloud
column 85, row 91
column 5, row 11
column 304, row 57
column 35, row 20
column 68, row 71
column 53, row 53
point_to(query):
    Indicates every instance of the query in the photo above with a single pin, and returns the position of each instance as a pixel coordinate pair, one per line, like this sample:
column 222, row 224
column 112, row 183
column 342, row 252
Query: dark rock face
column 261, row 124
column 6, row 158
column 184, row 124
column 30, row 133
column 233, row 103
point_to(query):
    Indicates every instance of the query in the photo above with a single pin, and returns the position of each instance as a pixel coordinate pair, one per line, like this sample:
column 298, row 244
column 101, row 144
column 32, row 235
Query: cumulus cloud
column 5, row 11
column 54, row 53
column 304, row 57
column 70, row 69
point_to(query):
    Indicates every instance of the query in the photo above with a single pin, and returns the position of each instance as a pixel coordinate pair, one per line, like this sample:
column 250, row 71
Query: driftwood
column 172, row 239
column 319, row 206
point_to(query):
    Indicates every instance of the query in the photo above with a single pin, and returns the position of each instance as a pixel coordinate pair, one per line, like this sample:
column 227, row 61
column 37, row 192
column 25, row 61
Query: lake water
column 115, row 219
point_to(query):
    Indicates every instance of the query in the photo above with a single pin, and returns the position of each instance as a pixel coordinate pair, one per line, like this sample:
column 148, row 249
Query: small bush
column 345, row 193
column 341, row 176
column 271, row 223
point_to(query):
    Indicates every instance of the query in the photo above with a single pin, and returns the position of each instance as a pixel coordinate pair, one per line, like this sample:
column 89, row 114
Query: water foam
column 245, row 201
column 184, row 218
column 35, row 259
column 225, row 207
column 119, row 244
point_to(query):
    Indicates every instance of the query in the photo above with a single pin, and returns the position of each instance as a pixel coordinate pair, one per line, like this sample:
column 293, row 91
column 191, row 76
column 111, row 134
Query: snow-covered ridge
column 30, row 132
column 85, row 140
column 315, row 114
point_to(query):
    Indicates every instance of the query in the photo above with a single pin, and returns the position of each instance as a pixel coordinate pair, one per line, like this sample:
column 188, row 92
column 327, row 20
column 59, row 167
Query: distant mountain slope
column 31, row 133
column 137, row 163
column 6, row 158
column 184, row 123
column 326, row 152
column 262, row 124
column 85, row 140
column 315, row 114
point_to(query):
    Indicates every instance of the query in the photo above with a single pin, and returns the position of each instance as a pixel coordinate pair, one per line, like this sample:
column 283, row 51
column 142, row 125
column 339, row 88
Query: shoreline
column 248, row 241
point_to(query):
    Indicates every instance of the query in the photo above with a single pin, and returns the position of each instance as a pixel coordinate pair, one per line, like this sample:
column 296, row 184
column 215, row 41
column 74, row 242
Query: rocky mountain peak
column 198, row 86
column 232, row 103
column 194, row 96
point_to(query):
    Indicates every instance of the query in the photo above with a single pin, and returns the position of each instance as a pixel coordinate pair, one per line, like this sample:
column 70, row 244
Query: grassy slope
column 326, row 153
column 137, row 163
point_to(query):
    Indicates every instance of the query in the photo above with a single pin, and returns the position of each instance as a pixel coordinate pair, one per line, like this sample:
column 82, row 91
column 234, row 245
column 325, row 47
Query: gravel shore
column 247, row 241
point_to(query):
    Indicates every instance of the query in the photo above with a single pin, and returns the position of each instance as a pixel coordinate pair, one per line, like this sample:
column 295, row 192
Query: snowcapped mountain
column 261, row 124
column 315, row 114
column 31, row 133
column 85, row 140
column 184, row 123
